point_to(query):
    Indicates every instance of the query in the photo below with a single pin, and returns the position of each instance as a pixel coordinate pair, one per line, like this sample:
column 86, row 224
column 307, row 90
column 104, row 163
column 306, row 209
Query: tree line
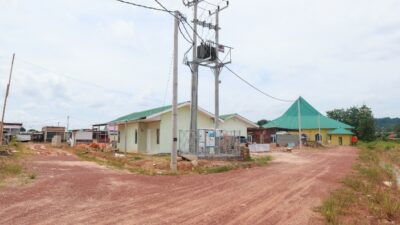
column 361, row 118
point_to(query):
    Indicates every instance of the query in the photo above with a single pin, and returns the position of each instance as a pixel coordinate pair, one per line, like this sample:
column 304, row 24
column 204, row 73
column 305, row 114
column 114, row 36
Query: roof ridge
column 144, row 113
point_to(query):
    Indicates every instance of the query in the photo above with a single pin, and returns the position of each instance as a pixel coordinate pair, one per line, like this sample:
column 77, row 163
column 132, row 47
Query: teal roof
column 142, row 114
column 310, row 118
column 340, row 131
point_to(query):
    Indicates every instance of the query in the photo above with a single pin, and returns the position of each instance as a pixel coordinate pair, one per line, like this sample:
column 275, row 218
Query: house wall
column 130, row 136
column 346, row 139
column 311, row 134
column 234, row 124
column 142, row 137
column 165, row 127
column 261, row 135
column 325, row 136
column 204, row 122
column 154, row 148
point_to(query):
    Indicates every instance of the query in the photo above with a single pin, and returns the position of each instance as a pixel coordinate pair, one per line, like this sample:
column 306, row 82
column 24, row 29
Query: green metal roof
column 143, row 114
column 227, row 116
column 340, row 131
column 310, row 118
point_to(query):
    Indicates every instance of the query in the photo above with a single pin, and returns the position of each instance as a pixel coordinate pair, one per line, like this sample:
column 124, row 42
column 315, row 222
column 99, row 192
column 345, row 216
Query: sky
column 96, row 60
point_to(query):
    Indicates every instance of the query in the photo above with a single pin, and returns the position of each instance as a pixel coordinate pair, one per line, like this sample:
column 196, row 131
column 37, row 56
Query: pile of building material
column 259, row 147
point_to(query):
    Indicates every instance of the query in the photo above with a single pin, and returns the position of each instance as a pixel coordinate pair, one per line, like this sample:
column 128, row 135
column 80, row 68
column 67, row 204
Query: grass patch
column 214, row 169
column 11, row 166
column 338, row 203
column 137, row 158
column 370, row 192
column 160, row 164
column 262, row 161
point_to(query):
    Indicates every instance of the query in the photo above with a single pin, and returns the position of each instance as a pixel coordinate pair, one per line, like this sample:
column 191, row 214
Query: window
column 119, row 135
column 158, row 136
column 135, row 136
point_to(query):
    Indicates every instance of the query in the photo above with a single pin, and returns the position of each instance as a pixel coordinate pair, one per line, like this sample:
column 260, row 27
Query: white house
column 149, row 131
column 83, row 136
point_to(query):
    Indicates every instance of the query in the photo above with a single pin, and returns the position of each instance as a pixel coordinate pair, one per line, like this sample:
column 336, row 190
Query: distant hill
column 386, row 123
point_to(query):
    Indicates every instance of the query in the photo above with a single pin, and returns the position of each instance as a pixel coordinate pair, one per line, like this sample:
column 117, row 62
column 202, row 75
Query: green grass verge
column 370, row 193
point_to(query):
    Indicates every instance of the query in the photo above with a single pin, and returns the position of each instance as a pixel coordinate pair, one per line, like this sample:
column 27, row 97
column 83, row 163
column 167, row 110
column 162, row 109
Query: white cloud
column 336, row 54
column 123, row 28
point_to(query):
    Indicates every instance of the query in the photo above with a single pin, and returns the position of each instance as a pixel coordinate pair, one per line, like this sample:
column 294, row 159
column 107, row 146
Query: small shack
column 83, row 136
column 50, row 131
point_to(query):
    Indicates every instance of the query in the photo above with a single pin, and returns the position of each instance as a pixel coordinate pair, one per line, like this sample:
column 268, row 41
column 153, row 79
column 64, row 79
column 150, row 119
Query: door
column 340, row 141
column 148, row 143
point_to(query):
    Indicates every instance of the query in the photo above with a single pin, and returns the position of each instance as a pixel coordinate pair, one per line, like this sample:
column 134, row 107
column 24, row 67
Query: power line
column 256, row 88
column 73, row 78
column 210, row 3
column 143, row 6
column 180, row 31
column 169, row 77
column 200, row 37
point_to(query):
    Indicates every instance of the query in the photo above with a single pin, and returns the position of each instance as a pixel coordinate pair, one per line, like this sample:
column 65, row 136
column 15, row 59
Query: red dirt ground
column 70, row 191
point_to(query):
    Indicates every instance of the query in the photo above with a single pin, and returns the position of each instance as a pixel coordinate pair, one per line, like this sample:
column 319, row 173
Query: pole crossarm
column 219, row 9
column 206, row 25
column 191, row 3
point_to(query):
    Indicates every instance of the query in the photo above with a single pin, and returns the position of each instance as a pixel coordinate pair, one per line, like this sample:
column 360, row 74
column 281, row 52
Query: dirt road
column 69, row 191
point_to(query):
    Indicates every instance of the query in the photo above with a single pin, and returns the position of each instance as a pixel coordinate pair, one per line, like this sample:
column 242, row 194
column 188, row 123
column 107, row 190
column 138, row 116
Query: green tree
column 262, row 122
column 397, row 130
column 361, row 118
column 337, row 114
column 366, row 124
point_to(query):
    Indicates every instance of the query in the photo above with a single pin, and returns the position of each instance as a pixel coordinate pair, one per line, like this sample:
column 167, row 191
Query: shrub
column 11, row 169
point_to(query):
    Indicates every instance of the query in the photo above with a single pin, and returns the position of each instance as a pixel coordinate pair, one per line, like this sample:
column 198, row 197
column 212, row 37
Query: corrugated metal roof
column 142, row 114
column 340, row 131
column 227, row 116
column 310, row 118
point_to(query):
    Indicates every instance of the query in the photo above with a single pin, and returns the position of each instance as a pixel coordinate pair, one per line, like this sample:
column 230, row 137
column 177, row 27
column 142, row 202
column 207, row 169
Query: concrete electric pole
column 5, row 100
column 193, row 139
column 66, row 133
column 299, row 122
column 218, row 64
column 208, row 49
column 175, row 96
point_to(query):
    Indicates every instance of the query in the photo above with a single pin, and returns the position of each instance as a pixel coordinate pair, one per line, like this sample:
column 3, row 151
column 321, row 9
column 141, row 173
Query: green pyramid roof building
column 310, row 118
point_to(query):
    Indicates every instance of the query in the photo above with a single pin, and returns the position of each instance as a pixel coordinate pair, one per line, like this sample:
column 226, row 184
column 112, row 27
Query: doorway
column 340, row 141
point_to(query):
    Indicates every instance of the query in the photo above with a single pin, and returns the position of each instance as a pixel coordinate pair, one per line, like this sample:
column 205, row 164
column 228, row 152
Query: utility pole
column 126, row 133
column 193, row 139
column 203, row 61
column 5, row 101
column 175, row 96
column 217, row 68
column 66, row 136
column 299, row 122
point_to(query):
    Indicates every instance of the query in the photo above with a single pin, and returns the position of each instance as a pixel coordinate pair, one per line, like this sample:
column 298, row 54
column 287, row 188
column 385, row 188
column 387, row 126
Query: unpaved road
column 69, row 191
